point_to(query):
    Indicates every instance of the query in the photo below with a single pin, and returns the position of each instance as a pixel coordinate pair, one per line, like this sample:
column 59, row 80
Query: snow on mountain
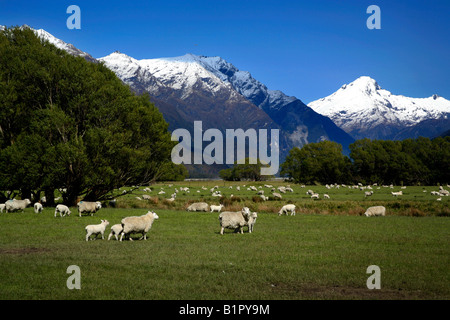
column 363, row 109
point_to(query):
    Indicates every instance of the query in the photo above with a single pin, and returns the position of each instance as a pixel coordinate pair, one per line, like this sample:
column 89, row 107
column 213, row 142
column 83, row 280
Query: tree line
column 72, row 125
column 420, row 161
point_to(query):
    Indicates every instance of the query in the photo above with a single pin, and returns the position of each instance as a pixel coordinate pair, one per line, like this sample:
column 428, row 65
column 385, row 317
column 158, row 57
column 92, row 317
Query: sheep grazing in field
column 375, row 211
column 315, row 196
column 234, row 220
column 265, row 198
column 38, row 207
column 95, row 229
column 198, row 206
column 2, row 207
column 88, row 207
column 395, row 194
column 277, row 195
column 62, row 210
column 141, row 224
column 216, row 208
column 368, row 194
column 326, row 196
column 251, row 221
column 288, row 208
column 115, row 231
column 16, row 205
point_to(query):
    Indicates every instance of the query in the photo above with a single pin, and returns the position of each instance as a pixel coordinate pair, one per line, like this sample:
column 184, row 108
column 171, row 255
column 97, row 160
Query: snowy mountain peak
column 363, row 106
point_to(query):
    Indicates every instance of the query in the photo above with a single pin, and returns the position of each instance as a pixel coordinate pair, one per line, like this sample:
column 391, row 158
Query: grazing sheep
column 38, row 207
column 95, row 229
column 62, row 210
column 286, row 209
column 198, row 206
column 315, row 196
column 216, row 208
column 277, row 195
column 2, row 207
column 395, row 194
column 115, row 231
column 141, row 224
column 16, row 205
column 368, row 194
column 326, row 196
column 234, row 220
column 375, row 211
column 265, row 198
column 88, row 207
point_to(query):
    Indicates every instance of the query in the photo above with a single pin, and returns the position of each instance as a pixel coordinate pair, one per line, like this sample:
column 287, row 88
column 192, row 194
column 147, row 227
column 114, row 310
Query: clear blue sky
column 307, row 49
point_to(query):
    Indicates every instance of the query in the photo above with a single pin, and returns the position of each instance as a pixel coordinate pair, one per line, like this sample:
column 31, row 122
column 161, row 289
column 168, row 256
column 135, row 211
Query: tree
column 317, row 162
column 66, row 123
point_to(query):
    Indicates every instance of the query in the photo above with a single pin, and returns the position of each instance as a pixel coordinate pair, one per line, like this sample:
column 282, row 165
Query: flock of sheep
column 228, row 219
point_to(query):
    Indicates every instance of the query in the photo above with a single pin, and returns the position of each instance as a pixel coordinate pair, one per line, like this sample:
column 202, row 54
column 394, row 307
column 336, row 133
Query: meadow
column 320, row 253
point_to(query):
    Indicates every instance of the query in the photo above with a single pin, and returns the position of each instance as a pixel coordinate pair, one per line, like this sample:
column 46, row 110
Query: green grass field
column 321, row 253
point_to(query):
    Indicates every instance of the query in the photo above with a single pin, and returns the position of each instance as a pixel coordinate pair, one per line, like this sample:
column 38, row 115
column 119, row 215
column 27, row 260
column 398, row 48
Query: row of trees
column 66, row 123
column 421, row 161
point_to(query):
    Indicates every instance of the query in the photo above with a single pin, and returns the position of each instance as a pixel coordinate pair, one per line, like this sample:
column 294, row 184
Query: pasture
column 320, row 253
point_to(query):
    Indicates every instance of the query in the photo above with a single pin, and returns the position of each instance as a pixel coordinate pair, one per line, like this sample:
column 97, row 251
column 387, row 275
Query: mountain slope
column 365, row 110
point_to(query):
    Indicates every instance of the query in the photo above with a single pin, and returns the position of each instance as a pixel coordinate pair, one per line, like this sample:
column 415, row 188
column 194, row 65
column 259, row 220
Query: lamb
column 62, row 210
column 216, row 208
column 88, row 207
column 375, row 211
column 115, row 231
column 234, row 220
column 198, row 206
column 251, row 221
column 38, row 207
column 287, row 208
column 95, row 229
column 2, row 207
column 141, row 224
column 16, row 205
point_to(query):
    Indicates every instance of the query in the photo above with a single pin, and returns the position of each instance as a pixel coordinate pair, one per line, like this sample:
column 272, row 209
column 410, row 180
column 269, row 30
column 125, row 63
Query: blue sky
column 307, row 49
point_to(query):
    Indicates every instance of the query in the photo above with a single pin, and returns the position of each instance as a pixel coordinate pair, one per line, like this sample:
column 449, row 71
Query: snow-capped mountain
column 365, row 110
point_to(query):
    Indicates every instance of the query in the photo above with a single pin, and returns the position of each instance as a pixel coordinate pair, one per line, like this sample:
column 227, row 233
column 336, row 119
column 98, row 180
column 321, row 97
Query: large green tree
column 66, row 123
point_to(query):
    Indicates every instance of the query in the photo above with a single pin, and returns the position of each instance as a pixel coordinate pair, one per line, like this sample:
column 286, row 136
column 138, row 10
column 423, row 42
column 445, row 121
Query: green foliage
column 411, row 161
column 68, row 123
column 244, row 171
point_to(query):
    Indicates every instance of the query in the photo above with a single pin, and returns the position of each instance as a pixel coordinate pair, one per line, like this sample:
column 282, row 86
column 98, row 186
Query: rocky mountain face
column 365, row 110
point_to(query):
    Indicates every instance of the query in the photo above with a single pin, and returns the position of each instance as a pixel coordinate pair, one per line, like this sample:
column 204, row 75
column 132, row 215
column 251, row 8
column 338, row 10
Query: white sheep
column 395, row 194
column 277, row 195
column 234, row 220
column 326, row 196
column 375, row 211
column 2, row 207
column 38, row 207
column 368, row 194
column 216, row 208
column 16, row 205
column 287, row 208
column 141, row 224
column 198, row 206
column 62, row 210
column 251, row 221
column 315, row 196
column 115, row 231
column 88, row 207
column 95, row 229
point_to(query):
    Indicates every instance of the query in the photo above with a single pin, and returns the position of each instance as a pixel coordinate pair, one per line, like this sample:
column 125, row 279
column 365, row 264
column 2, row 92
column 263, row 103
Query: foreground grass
column 307, row 256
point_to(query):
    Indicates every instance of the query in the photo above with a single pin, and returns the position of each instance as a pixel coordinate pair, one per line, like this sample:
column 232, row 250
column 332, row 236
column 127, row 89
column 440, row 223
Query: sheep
column 368, row 194
column 16, row 205
column 95, row 229
column 146, row 197
column 216, row 208
column 315, row 196
column 326, row 196
column 198, row 206
column 115, row 231
column 88, row 207
column 287, row 208
column 62, row 210
column 234, row 220
column 38, row 207
column 375, row 211
column 265, row 198
column 141, row 224
column 395, row 194
column 2, row 207
column 251, row 221
column 277, row 195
